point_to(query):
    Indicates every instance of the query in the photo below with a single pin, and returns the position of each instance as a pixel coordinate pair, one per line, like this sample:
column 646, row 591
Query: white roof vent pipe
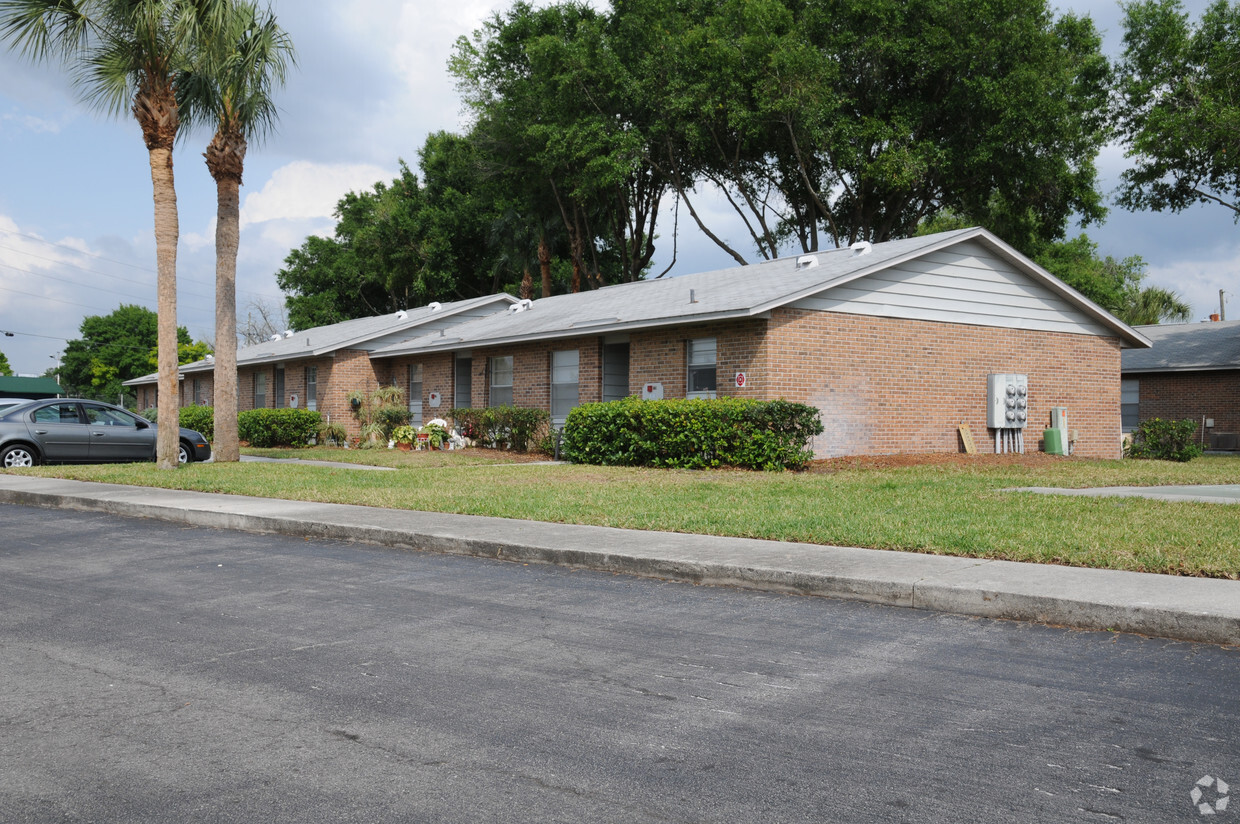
column 434, row 306
column 288, row 333
column 862, row 247
column 402, row 315
column 275, row 337
column 807, row 262
column 521, row 306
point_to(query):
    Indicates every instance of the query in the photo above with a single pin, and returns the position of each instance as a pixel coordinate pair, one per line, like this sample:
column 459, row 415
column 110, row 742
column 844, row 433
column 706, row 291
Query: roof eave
column 581, row 332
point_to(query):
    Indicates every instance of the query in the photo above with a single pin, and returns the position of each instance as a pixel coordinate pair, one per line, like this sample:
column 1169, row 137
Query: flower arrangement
column 404, row 434
column 437, row 429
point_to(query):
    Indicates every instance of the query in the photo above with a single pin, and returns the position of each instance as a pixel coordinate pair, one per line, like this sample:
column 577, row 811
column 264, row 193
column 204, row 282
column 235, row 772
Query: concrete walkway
column 1193, row 609
column 1210, row 494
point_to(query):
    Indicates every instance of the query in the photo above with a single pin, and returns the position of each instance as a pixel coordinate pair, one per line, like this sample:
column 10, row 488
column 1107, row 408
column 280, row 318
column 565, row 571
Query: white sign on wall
column 433, row 399
column 741, row 380
column 652, row 392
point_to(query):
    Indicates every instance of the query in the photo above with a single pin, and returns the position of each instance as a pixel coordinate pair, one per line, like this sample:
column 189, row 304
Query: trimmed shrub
column 151, row 413
column 200, row 419
column 1164, row 441
column 692, row 434
column 516, row 427
column 278, row 427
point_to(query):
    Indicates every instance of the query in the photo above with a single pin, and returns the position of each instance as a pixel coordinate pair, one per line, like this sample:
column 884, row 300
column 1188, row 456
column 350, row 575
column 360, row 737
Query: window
column 701, row 368
column 103, row 416
column 501, row 381
column 278, row 388
column 463, row 391
column 615, row 371
column 1129, row 403
column 415, row 394
column 565, row 369
column 312, row 388
column 58, row 413
column 260, row 390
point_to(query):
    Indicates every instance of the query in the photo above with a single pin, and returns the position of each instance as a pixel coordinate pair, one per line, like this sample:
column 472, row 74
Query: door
column 60, row 432
column 117, row 435
column 615, row 371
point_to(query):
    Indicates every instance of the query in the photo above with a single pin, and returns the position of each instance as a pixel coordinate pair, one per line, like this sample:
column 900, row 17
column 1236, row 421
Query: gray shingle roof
column 358, row 333
column 742, row 291
column 1186, row 347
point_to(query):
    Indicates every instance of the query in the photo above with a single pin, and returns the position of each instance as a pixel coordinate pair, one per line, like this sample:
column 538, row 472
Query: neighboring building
column 317, row 368
column 33, row 388
column 1191, row 371
column 892, row 342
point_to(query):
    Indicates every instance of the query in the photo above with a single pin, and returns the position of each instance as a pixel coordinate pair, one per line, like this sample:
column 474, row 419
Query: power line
column 38, row 239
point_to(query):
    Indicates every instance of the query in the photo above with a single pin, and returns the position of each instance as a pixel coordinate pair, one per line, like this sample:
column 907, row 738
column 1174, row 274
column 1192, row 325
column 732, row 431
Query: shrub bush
column 200, row 419
column 692, row 434
column 1164, row 441
column 278, row 427
column 516, row 427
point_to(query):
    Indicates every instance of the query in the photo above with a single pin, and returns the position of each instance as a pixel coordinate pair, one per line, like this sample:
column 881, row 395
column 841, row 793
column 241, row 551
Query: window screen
column 260, row 390
column 565, row 369
column 415, row 394
column 501, row 381
column 701, row 357
column 312, row 388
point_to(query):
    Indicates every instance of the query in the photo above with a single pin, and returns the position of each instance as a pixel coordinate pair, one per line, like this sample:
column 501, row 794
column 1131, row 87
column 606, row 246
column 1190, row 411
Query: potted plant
column 437, row 432
column 404, row 437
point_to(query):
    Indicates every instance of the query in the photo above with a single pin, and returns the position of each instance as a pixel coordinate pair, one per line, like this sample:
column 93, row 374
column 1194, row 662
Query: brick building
column 893, row 342
column 1191, row 371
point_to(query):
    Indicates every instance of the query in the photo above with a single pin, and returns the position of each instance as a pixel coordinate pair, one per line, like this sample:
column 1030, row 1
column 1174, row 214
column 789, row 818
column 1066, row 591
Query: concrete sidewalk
column 1193, row 609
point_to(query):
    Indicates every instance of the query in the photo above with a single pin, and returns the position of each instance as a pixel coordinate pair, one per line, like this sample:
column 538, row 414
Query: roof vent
column 861, row 247
column 693, row 296
column 288, row 333
column 807, row 262
column 521, row 306
column 434, row 306
column 402, row 315
column 275, row 337
column 210, row 358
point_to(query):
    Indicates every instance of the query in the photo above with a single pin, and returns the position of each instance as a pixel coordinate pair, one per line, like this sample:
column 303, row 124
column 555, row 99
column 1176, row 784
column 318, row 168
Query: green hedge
column 692, row 434
column 200, row 419
column 278, row 427
column 513, row 426
column 1164, row 440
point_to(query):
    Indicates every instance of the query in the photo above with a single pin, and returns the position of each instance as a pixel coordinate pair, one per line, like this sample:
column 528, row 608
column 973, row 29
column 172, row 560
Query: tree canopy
column 5, row 369
column 115, row 348
column 1179, row 106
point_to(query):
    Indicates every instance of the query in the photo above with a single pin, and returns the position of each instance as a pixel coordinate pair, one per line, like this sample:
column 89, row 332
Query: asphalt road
column 150, row 673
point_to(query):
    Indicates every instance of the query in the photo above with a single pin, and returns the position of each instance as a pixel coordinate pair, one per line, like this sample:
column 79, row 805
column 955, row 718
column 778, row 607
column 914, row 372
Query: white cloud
column 308, row 190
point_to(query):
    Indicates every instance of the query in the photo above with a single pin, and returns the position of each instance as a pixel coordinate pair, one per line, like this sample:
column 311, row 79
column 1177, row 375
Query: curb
column 1189, row 609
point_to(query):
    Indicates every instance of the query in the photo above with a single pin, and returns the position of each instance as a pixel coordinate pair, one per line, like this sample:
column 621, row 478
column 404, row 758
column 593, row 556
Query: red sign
column 740, row 380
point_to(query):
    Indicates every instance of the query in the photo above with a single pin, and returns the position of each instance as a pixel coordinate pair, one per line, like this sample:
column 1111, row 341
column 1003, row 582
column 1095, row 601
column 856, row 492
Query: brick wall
column 886, row 385
column 1193, row 395
column 661, row 356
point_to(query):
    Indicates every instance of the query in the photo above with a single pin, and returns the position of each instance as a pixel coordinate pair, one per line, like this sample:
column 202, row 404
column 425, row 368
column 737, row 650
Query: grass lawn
column 950, row 507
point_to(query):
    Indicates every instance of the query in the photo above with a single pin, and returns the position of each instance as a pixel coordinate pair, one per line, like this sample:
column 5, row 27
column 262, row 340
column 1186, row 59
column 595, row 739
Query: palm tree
column 1151, row 305
column 125, row 55
column 230, row 88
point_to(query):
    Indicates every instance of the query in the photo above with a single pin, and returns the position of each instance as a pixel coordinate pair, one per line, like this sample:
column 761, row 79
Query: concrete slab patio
column 1193, row 609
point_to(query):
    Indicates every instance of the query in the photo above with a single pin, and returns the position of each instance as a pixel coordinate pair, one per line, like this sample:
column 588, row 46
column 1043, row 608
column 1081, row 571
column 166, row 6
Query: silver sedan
column 72, row 430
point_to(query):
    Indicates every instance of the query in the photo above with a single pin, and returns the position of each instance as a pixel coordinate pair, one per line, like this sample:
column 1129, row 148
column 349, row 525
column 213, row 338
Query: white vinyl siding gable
column 964, row 284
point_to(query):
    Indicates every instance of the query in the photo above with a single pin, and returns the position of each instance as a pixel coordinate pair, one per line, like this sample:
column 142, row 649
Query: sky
column 76, row 219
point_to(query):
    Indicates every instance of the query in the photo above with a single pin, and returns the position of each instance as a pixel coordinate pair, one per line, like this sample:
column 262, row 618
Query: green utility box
column 1055, row 441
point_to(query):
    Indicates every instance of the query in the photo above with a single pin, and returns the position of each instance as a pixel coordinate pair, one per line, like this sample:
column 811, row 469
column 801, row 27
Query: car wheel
column 18, row 455
column 184, row 453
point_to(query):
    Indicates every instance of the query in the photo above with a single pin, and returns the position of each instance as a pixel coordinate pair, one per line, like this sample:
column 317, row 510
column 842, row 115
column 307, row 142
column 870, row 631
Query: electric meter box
column 1007, row 401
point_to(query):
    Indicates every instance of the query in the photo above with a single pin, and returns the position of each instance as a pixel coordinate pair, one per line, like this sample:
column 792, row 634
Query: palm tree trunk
column 167, row 231
column 544, row 264
column 227, row 236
